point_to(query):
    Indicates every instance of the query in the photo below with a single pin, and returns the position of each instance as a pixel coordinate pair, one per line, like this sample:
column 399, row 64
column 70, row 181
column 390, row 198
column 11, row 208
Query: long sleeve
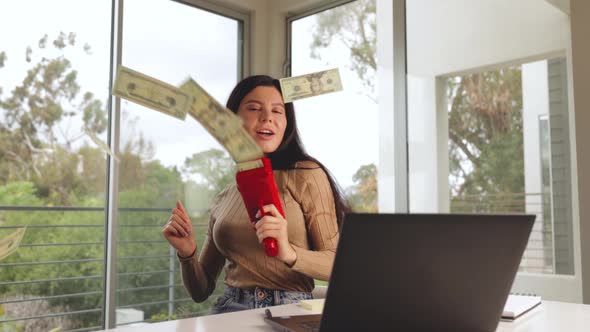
column 308, row 202
column 317, row 203
column 199, row 275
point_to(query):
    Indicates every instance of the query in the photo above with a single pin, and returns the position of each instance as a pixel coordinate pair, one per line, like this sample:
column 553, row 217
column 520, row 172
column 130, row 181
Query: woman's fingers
column 186, row 224
column 181, row 214
column 268, row 209
column 173, row 223
column 271, row 224
column 269, row 227
column 266, row 220
column 274, row 233
column 181, row 210
column 181, row 207
column 169, row 230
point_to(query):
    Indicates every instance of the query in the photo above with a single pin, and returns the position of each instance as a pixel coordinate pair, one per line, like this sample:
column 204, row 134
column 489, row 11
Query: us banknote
column 101, row 145
column 150, row 92
column 221, row 123
column 9, row 244
column 310, row 85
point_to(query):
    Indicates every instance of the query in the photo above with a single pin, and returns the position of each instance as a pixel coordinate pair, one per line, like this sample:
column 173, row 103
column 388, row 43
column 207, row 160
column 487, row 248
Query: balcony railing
column 34, row 292
column 539, row 254
column 63, row 285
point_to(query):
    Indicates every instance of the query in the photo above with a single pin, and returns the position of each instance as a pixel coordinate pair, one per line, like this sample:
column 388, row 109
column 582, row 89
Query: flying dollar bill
column 221, row 123
column 9, row 244
column 101, row 145
column 248, row 165
column 151, row 93
column 310, row 85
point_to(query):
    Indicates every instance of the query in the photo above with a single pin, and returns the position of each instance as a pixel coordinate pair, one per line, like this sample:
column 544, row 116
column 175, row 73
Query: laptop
column 419, row 272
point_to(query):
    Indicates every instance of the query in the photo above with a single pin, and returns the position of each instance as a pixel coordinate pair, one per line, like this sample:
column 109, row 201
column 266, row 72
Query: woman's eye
column 278, row 111
column 253, row 109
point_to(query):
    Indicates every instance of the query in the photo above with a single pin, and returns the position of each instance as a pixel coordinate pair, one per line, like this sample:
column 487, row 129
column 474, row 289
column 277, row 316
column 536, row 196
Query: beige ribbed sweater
column 313, row 232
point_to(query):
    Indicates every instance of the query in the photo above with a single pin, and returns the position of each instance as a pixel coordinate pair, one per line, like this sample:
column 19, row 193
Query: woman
column 306, row 237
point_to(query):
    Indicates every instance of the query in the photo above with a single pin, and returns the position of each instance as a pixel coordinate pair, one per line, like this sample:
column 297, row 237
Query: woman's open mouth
column 265, row 133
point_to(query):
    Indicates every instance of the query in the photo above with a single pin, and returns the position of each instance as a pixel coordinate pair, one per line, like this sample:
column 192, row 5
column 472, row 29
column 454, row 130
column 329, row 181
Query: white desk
column 549, row 316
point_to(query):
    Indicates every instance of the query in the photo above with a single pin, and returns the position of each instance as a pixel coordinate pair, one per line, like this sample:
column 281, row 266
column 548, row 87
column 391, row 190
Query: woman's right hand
column 179, row 231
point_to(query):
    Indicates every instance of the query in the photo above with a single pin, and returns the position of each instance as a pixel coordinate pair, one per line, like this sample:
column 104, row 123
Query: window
column 476, row 90
column 54, row 107
column 54, row 78
column 342, row 37
column 164, row 159
column 488, row 123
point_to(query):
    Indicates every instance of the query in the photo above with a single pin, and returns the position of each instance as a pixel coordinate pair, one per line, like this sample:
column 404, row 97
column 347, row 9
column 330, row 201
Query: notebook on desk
column 517, row 305
column 419, row 272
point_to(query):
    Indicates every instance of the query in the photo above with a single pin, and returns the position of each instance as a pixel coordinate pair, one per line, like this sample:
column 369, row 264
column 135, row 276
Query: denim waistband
column 263, row 297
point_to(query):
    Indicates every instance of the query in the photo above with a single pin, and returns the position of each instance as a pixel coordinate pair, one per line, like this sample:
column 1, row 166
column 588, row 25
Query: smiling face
column 263, row 114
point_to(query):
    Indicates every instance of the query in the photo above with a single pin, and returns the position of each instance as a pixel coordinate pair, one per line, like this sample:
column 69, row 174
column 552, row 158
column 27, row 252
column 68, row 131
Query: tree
column 213, row 167
column 355, row 26
column 40, row 165
column 363, row 195
column 34, row 141
column 486, row 134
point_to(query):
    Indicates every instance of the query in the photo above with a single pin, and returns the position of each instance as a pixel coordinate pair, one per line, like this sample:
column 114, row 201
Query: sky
column 171, row 41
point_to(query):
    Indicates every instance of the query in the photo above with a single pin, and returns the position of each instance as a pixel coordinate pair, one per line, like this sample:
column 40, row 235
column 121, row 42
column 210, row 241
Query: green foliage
column 354, row 25
column 486, row 138
column 34, row 143
column 162, row 317
column 214, row 166
column 362, row 196
column 39, row 167
column 24, row 194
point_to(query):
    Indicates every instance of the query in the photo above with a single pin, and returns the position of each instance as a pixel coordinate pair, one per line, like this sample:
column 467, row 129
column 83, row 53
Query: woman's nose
column 265, row 115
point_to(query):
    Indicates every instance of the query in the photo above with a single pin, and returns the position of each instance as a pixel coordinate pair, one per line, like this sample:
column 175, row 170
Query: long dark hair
column 291, row 149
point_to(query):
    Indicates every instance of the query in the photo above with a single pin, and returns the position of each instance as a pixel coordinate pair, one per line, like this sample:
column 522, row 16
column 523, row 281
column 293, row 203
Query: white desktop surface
column 548, row 316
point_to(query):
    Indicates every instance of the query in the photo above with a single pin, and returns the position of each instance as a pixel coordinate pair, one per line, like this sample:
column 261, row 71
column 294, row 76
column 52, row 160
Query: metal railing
column 154, row 288
column 539, row 254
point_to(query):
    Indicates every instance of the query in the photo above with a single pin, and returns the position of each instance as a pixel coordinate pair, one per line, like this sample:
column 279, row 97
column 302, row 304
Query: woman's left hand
column 274, row 225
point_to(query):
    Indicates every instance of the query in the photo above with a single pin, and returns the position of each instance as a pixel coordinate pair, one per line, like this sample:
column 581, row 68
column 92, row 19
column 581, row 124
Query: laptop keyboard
column 310, row 326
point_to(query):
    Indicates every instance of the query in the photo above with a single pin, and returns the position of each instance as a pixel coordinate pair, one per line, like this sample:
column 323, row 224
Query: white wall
column 422, row 114
column 535, row 100
column 457, row 35
column 259, row 11
column 268, row 39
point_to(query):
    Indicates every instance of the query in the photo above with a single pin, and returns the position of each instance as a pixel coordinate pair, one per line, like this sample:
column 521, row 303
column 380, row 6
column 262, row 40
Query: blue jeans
column 237, row 299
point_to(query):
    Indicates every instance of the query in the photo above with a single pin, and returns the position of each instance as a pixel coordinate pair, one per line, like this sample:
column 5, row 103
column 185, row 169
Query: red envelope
column 257, row 186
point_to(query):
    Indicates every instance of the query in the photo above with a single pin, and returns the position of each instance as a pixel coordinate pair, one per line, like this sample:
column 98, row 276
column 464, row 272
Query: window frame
column 562, row 287
column 114, row 133
column 393, row 153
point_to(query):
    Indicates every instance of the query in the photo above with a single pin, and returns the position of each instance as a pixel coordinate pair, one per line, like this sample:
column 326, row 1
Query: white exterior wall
column 422, row 146
column 457, row 35
column 535, row 100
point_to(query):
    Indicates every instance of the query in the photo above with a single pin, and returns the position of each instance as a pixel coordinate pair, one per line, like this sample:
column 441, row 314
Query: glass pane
column 341, row 129
column 54, row 78
column 488, row 117
column 164, row 159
